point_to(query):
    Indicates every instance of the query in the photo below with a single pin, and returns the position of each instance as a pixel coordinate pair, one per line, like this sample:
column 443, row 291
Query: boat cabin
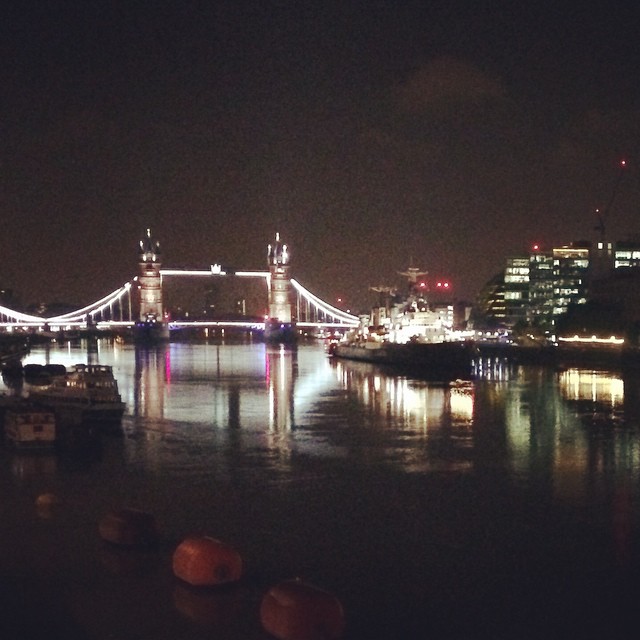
column 30, row 426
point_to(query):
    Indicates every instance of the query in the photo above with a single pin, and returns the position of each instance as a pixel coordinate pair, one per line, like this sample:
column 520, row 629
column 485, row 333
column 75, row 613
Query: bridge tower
column 151, row 326
column 280, row 325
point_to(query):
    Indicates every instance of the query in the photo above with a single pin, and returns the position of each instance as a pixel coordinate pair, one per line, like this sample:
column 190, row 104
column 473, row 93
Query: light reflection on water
column 300, row 457
column 274, row 400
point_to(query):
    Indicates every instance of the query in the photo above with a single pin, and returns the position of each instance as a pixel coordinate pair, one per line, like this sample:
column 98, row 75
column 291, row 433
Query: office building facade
column 536, row 289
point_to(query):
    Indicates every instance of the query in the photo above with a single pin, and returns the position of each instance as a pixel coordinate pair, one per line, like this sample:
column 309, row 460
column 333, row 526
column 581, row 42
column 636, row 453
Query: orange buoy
column 295, row 610
column 47, row 500
column 46, row 504
column 129, row 527
column 202, row 561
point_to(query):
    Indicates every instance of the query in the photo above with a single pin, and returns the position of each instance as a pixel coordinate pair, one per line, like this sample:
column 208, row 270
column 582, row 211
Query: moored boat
column 408, row 334
column 42, row 374
column 437, row 360
column 89, row 392
column 30, row 426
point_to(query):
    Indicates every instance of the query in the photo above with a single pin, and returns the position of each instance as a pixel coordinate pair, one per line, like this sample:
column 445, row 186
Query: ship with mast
column 405, row 332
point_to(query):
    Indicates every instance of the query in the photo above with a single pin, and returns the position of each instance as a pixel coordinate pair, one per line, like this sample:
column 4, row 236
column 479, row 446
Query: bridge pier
column 151, row 326
column 280, row 324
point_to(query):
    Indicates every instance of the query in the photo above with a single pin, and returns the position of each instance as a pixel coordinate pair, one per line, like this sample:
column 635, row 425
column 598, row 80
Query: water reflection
column 607, row 407
column 536, row 424
column 281, row 373
column 152, row 378
column 27, row 465
column 414, row 424
column 493, row 368
column 527, row 475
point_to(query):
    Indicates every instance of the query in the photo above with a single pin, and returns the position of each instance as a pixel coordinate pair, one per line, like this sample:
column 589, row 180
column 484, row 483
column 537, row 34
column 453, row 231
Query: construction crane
column 602, row 215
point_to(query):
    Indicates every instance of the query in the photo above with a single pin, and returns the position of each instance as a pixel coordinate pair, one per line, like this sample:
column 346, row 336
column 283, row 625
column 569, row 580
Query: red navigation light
column 623, row 163
column 446, row 285
column 536, row 247
column 422, row 285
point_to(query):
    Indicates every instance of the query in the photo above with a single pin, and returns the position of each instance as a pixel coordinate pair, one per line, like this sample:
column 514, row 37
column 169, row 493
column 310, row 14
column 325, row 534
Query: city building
column 570, row 276
column 489, row 312
column 534, row 290
column 619, row 286
column 541, row 286
column 516, row 289
column 626, row 255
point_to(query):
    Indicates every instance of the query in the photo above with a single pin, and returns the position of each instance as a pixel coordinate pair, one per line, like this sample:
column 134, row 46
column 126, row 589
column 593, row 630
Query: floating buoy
column 129, row 527
column 295, row 610
column 47, row 500
column 202, row 561
column 46, row 504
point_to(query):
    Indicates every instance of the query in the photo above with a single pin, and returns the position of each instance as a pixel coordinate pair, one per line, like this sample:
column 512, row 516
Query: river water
column 505, row 507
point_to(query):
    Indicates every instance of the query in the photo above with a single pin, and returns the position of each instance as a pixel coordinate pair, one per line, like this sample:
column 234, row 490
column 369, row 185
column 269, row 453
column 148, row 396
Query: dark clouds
column 444, row 83
column 367, row 133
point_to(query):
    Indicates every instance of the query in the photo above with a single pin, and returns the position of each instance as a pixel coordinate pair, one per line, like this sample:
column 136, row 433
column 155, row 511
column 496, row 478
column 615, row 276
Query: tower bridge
column 139, row 304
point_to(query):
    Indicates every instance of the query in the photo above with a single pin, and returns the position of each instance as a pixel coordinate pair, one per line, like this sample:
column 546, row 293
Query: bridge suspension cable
column 96, row 307
column 339, row 317
column 10, row 314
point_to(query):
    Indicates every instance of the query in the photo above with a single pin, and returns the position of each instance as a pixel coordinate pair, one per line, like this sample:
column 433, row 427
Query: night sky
column 370, row 134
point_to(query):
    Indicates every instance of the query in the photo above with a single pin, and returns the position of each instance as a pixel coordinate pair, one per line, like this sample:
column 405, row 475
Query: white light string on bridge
column 216, row 270
column 21, row 317
column 342, row 316
column 79, row 316
column 116, row 297
column 94, row 308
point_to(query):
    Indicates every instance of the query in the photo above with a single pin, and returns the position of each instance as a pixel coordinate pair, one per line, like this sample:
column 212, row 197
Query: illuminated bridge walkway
column 119, row 309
